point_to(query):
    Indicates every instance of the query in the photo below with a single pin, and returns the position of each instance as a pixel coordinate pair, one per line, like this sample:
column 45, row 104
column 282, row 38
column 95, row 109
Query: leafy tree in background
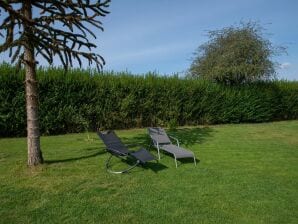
column 47, row 28
column 236, row 55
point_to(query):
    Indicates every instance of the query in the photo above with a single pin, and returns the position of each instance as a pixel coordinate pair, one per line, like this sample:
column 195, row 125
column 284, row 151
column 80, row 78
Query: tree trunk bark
column 33, row 134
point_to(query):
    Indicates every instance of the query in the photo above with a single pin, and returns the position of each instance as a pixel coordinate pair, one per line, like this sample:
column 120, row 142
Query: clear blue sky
column 161, row 35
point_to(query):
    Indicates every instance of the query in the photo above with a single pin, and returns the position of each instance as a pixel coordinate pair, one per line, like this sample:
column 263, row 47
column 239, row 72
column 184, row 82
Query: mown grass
column 247, row 173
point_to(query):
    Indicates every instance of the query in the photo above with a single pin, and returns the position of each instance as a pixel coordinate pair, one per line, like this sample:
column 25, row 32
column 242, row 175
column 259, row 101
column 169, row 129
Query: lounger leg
column 158, row 153
column 194, row 159
column 176, row 162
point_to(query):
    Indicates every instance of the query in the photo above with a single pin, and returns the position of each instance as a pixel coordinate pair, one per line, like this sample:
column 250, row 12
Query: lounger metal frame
column 159, row 146
column 121, row 171
column 123, row 153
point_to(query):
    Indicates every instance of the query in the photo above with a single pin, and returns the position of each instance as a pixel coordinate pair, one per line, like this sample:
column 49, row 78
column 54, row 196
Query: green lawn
column 246, row 173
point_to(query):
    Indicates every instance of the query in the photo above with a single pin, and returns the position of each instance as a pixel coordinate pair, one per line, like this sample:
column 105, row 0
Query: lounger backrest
column 159, row 135
column 113, row 143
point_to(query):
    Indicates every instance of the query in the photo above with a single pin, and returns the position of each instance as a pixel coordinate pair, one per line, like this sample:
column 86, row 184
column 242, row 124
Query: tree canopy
column 235, row 55
column 52, row 28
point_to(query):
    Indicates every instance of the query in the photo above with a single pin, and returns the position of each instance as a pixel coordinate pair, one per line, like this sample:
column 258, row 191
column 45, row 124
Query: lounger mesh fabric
column 162, row 141
column 178, row 151
column 113, row 143
column 159, row 135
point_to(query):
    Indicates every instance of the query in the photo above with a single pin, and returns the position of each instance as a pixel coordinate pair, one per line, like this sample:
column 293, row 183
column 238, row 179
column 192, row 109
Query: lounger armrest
column 177, row 141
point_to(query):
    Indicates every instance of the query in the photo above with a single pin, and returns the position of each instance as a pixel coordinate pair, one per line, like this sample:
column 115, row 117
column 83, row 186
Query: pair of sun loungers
column 160, row 140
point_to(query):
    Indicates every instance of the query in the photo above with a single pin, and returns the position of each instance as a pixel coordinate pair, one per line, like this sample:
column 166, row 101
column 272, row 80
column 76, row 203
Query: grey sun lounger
column 162, row 141
column 116, row 148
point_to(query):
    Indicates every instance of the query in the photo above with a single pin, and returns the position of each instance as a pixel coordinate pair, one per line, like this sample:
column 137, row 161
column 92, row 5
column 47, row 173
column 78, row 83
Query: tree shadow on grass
column 191, row 136
column 186, row 136
column 74, row 159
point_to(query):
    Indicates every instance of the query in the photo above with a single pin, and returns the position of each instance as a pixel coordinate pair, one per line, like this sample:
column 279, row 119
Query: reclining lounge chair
column 116, row 148
column 161, row 140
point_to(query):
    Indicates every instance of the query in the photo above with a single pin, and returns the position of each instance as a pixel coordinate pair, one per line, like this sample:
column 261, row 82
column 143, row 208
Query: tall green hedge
column 82, row 100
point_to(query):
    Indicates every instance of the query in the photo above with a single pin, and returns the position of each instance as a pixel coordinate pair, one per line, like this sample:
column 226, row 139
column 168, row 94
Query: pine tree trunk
column 33, row 135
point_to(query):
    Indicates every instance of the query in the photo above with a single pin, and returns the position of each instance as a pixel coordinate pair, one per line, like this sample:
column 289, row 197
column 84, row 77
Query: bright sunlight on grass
column 247, row 173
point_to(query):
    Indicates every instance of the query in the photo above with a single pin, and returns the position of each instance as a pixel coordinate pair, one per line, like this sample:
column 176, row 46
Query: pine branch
column 69, row 43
